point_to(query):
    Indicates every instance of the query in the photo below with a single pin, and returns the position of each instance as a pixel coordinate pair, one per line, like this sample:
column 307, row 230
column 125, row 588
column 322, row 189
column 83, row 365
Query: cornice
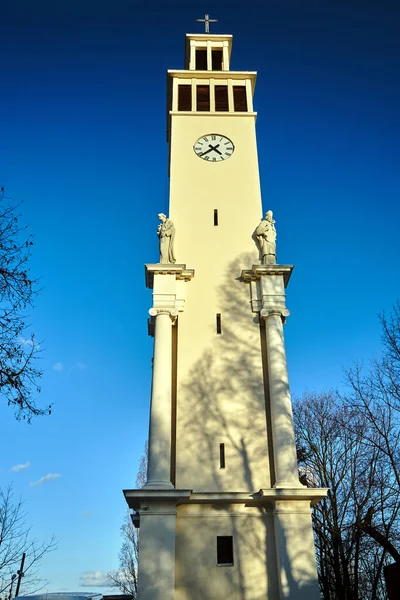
column 218, row 37
column 136, row 498
column 180, row 271
column 314, row 495
column 257, row 271
column 262, row 497
column 144, row 499
column 185, row 113
column 193, row 74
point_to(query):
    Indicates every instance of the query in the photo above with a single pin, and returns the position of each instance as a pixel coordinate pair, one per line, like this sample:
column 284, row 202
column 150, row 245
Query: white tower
column 222, row 514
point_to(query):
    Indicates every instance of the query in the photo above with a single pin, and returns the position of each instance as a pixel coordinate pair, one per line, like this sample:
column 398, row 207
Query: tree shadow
column 223, row 399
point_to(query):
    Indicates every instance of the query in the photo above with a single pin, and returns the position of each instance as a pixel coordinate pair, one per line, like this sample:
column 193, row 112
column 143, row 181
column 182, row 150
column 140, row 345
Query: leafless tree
column 19, row 371
column 125, row 578
column 15, row 539
column 375, row 395
column 350, row 442
column 333, row 453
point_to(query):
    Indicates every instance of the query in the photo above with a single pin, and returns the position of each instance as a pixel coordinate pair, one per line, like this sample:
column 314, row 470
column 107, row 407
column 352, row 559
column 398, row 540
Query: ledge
column 314, row 495
column 220, row 498
column 185, row 113
column 135, row 498
column 263, row 496
column 180, row 272
column 205, row 74
column 209, row 36
column 257, row 271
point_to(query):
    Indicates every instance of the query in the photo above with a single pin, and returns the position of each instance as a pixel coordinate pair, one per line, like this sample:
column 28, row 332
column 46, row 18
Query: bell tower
column 222, row 514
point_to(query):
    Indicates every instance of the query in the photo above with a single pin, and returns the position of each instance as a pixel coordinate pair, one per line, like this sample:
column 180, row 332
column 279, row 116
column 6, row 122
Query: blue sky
column 83, row 145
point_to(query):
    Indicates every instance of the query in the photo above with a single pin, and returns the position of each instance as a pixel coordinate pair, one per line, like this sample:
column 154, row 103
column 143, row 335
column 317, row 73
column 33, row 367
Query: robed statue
column 166, row 234
column 266, row 236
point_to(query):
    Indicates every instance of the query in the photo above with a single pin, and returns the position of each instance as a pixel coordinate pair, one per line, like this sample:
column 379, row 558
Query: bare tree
column 19, row 371
column 14, row 541
column 375, row 395
column 333, row 453
column 125, row 579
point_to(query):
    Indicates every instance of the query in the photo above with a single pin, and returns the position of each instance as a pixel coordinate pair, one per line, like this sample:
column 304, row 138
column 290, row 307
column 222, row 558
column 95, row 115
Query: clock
column 214, row 147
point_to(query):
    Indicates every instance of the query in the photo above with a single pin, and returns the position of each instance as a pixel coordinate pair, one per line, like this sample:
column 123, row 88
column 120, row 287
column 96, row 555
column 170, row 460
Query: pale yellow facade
column 222, row 459
column 197, row 575
column 217, row 401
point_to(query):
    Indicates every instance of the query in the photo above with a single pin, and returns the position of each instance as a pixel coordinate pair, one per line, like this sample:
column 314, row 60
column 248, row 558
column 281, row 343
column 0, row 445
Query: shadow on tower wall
column 224, row 399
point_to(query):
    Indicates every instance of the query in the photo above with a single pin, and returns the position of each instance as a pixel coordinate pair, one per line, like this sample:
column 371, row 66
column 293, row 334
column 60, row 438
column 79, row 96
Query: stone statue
column 166, row 234
column 266, row 236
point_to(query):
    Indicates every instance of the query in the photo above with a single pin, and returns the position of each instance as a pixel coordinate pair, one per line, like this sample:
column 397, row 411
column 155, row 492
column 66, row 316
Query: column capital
column 278, row 311
column 172, row 312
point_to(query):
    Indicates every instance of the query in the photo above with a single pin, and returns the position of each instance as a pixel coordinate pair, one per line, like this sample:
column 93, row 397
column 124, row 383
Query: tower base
column 270, row 533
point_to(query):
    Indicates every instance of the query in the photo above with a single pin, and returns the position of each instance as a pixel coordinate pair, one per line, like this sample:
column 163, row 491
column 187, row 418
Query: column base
column 158, row 485
column 288, row 484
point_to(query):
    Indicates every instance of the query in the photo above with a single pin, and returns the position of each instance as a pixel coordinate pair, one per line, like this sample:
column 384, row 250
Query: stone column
column 159, row 461
column 285, row 459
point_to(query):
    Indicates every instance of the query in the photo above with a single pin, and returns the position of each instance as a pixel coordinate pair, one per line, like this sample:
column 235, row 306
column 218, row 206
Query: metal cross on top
column 207, row 22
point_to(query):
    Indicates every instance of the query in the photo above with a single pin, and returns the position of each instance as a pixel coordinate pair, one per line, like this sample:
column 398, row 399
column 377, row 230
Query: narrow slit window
column 216, row 58
column 219, row 329
column 225, row 550
column 221, row 98
column 215, row 217
column 184, row 97
column 239, row 98
column 203, row 98
column 201, row 59
column 222, row 456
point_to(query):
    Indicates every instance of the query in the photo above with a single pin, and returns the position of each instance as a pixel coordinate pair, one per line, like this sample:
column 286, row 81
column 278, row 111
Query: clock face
column 214, row 147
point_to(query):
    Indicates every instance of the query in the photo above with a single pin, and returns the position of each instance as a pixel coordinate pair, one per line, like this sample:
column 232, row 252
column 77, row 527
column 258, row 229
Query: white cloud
column 29, row 342
column 79, row 365
column 121, row 575
column 20, row 467
column 94, row 579
column 47, row 477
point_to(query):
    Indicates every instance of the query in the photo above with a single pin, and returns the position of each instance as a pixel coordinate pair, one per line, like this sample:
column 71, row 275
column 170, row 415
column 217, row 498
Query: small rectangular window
column 222, row 456
column 184, row 97
column 221, row 98
column 215, row 217
column 224, row 550
column 216, row 57
column 201, row 59
column 239, row 98
column 219, row 329
column 203, row 98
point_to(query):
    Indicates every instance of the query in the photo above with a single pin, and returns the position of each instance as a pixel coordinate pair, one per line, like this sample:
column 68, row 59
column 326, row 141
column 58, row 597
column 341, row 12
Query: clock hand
column 207, row 151
column 215, row 148
column 210, row 150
